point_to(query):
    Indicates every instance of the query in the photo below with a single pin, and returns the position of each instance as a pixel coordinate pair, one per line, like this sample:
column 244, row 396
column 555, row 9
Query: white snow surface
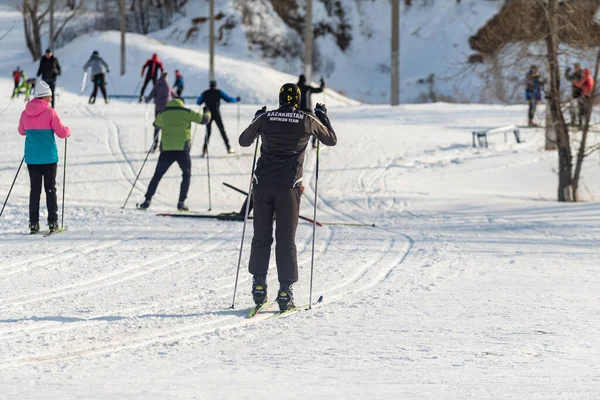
column 474, row 284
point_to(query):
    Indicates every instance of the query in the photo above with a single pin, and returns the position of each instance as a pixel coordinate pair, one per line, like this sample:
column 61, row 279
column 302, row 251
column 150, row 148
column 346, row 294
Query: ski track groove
column 92, row 284
column 184, row 301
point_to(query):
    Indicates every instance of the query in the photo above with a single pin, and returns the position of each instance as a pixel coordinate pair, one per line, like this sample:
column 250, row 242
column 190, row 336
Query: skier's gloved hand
column 261, row 111
column 239, row 98
column 204, row 110
column 322, row 83
column 320, row 108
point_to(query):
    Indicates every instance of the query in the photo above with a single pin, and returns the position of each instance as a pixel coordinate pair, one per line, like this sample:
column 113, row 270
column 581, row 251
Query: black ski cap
column 289, row 94
column 213, row 84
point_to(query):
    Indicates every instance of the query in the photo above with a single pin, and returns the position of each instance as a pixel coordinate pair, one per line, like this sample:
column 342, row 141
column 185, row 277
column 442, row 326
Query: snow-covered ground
column 473, row 284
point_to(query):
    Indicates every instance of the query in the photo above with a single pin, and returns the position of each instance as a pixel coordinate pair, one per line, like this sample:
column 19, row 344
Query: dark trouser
column 52, row 85
column 243, row 210
column 532, row 105
column 284, row 202
column 47, row 172
column 583, row 103
column 165, row 160
column 16, row 89
column 148, row 79
column 216, row 117
column 179, row 90
column 156, row 130
column 99, row 82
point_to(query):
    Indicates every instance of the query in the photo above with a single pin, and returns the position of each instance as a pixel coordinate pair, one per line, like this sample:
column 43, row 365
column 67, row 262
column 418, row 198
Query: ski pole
column 208, row 172
column 137, row 86
column 312, row 257
column 62, row 215
column 83, row 82
column 194, row 135
column 11, row 186
column 237, row 275
column 138, row 176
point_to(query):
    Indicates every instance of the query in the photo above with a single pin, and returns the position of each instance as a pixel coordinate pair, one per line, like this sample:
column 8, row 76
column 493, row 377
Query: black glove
column 261, row 111
column 322, row 83
column 320, row 108
column 238, row 98
column 204, row 110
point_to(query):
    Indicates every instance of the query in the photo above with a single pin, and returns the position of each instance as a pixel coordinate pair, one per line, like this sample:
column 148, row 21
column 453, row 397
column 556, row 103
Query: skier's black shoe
column 285, row 297
column 259, row 290
column 34, row 228
column 52, row 226
column 182, row 207
column 145, row 204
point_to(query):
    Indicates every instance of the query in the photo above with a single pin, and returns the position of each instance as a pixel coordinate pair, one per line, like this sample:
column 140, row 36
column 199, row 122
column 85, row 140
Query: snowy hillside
column 434, row 40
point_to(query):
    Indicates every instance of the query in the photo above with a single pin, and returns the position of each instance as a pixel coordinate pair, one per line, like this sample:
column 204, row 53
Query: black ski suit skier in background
column 155, row 67
column 49, row 70
column 285, row 133
column 575, row 108
column 212, row 98
column 305, row 101
column 98, row 66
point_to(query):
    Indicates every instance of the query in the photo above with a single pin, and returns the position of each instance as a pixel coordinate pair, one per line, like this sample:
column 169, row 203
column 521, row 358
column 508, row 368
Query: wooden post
column 308, row 42
column 395, row 56
column 211, row 41
column 123, row 28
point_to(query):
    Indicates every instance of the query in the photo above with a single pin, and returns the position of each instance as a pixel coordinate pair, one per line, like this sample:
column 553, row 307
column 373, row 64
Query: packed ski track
column 473, row 282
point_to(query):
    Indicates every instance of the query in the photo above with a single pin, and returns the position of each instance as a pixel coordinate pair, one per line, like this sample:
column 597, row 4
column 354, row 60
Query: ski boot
column 145, row 205
column 53, row 226
column 259, row 290
column 182, row 207
column 34, row 228
column 532, row 124
column 285, row 297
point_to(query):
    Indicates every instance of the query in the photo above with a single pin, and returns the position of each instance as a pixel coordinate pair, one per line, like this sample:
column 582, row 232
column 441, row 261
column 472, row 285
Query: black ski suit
column 277, row 184
column 305, row 101
column 576, row 104
column 212, row 98
column 154, row 65
column 49, row 70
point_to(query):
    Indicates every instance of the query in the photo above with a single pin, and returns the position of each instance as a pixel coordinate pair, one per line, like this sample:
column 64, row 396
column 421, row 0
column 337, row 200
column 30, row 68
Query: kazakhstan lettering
column 276, row 116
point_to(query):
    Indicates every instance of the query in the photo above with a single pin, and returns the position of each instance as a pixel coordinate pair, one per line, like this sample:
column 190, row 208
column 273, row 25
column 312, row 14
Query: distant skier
column 178, row 85
column 39, row 123
column 212, row 97
column 27, row 87
column 18, row 78
column 49, row 70
column 586, row 84
column 154, row 66
column 575, row 108
column 305, row 101
column 176, row 122
column 98, row 66
column 285, row 133
column 533, row 92
column 162, row 94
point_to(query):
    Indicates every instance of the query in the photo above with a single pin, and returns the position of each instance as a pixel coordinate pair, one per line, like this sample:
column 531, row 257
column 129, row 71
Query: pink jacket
column 39, row 123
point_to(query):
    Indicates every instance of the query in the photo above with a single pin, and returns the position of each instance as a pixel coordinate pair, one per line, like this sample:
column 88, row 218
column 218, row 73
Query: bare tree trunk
column 586, row 128
column 565, row 165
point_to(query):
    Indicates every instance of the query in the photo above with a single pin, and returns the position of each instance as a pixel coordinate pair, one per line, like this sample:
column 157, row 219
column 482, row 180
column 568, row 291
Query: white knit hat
column 42, row 90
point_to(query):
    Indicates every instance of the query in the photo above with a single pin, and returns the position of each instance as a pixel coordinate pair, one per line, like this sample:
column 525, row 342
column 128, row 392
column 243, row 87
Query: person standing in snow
column 98, row 66
column 176, row 123
column 533, row 92
column 49, row 70
column 305, row 102
column 284, row 133
column 162, row 94
column 574, row 104
column 39, row 123
column 212, row 98
column 18, row 77
column 178, row 85
column 586, row 84
column 154, row 66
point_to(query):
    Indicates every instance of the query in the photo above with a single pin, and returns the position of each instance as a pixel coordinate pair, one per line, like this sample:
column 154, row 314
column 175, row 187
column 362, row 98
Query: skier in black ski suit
column 305, row 103
column 576, row 105
column 212, row 98
column 285, row 133
column 49, row 70
column 155, row 68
